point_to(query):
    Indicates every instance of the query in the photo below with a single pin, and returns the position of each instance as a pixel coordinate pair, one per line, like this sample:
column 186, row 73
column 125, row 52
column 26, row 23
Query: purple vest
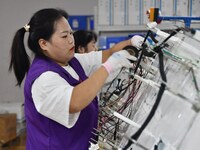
column 46, row 134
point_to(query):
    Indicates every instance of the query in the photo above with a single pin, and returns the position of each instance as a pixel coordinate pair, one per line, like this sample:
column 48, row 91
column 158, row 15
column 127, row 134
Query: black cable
column 155, row 106
column 116, row 129
column 194, row 79
column 160, row 93
column 114, row 80
column 141, row 55
column 153, row 37
column 172, row 34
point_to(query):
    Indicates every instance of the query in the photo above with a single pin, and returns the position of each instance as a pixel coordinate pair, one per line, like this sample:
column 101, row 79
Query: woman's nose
column 71, row 39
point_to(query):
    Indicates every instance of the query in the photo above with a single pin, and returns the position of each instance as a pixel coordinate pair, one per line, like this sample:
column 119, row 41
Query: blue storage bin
column 81, row 22
column 102, row 43
column 107, row 42
column 110, row 41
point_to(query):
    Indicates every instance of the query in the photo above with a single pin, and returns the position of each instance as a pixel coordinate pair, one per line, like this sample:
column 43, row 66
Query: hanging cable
column 157, row 49
column 142, row 53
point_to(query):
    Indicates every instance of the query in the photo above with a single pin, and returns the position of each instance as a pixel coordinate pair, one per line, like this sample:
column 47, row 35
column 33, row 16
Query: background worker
column 85, row 41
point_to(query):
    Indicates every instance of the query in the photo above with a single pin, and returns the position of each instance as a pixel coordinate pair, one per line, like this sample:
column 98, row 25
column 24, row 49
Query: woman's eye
column 65, row 36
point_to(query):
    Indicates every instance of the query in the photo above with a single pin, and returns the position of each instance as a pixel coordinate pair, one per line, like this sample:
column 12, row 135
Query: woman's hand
column 118, row 60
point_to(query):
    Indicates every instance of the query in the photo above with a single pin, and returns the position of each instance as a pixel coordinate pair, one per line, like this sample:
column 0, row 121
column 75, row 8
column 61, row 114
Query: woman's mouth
column 72, row 49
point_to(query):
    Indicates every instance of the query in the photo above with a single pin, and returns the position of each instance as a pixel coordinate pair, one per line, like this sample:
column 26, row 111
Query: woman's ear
column 81, row 49
column 43, row 44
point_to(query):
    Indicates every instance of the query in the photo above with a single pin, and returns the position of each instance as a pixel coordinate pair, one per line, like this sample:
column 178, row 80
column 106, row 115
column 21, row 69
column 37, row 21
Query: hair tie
column 27, row 27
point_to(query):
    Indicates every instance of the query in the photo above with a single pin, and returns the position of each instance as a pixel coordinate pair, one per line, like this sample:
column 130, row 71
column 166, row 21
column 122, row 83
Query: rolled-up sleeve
column 90, row 61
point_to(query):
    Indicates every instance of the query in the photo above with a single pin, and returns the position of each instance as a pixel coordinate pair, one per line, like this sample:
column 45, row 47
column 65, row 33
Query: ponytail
column 19, row 58
column 40, row 26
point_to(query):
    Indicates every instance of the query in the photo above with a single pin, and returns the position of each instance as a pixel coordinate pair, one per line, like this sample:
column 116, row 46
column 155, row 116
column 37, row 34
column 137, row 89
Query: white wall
column 13, row 15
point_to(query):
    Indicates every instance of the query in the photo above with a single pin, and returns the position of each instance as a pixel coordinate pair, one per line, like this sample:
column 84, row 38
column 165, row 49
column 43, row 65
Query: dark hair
column 83, row 37
column 41, row 26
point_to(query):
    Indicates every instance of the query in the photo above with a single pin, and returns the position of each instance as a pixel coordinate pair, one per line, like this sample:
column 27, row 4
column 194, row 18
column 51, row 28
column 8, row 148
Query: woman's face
column 91, row 46
column 60, row 47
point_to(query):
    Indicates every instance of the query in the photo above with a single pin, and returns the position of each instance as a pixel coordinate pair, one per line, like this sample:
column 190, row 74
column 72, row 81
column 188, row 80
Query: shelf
column 104, row 29
column 117, row 30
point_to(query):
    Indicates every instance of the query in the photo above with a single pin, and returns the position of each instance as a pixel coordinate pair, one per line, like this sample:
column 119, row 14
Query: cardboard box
column 7, row 127
column 19, row 148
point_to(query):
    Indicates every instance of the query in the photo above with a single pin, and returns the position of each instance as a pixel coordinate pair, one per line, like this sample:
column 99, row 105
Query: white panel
column 181, row 7
column 104, row 12
column 167, row 7
column 134, row 12
column 195, row 12
column 119, row 12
